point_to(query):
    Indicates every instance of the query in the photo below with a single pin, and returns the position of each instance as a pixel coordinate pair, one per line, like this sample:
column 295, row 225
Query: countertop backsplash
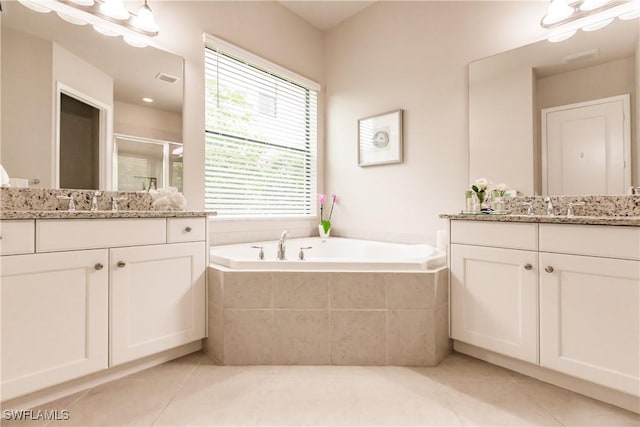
column 624, row 206
column 35, row 199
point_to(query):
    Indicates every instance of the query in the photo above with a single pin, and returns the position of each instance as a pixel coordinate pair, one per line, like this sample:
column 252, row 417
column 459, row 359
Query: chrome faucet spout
column 94, row 200
column 549, row 206
column 282, row 247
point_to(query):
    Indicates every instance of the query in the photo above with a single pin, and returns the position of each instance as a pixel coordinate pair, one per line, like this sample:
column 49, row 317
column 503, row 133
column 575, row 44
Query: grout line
column 178, row 389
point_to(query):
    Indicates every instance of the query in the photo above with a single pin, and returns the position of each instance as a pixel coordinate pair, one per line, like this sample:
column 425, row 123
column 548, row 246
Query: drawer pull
column 528, row 267
column 548, row 269
column 121, row 264
column 188, row 229
column 98, row 266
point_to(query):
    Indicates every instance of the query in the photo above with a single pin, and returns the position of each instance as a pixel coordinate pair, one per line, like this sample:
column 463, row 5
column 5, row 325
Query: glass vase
column 322, row 233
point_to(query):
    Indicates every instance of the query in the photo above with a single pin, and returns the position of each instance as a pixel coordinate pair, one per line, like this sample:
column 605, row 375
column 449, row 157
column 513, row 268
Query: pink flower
column 322, row 199
column 334, row 198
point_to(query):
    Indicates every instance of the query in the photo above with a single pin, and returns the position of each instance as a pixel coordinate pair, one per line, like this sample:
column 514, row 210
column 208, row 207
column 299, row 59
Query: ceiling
column 325, row 14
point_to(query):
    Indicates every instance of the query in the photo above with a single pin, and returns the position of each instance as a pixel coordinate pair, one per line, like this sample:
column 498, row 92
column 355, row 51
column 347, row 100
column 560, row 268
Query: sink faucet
column 281, row 256
column 94, row 200
column 547, row 200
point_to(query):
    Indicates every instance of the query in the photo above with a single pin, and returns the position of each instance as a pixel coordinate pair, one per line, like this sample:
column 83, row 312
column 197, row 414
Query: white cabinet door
column 494, row 299
column 157, row 298
column 54, row 318
column 589, row 321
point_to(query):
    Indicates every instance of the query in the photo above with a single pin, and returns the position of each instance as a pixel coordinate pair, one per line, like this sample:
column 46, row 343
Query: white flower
column 502, row 187
column 481, row 184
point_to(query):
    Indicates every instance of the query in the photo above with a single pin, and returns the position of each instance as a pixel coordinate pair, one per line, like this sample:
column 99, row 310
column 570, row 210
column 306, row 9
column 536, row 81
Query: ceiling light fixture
column 565, row 17
column 108, row 17
column 149, row 100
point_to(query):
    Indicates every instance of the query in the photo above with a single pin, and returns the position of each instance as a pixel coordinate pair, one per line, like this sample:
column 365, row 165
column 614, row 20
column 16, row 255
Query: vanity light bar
column 564, row 17
column 136, row 30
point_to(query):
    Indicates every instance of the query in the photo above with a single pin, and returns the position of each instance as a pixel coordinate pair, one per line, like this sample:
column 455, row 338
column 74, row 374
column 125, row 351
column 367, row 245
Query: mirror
column 69, row 94
column 537, row 118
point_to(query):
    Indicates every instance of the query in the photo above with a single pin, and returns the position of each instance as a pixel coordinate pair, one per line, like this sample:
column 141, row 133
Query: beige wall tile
column 357, row 290
column 301, row 337
column 358, row 337
column 297, row 290
column 214, row 345
column 442, row 287
column 214, row 284
column 247, row 290
column 410, row 291
column 409, row 339
column 441, row 325
column 248, row 337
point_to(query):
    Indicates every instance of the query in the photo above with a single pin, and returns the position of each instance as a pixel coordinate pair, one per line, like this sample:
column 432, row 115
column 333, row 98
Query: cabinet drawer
column 18, row 237
column 185, row 229
column 61, row 235
column 593, row 240
column 501, row 234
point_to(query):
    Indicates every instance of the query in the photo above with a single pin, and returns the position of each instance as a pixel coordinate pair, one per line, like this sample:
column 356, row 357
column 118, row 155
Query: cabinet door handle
column 528, row 267
column 187, row 229
column 121, row 264
column 548, row 269
column 98, row 266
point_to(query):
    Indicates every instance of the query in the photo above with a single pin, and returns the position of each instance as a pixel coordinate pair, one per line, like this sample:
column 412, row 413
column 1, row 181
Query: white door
column 54, row 318
column 586, row 147
column 494, row 299
column 589, row 321
column 157, row 298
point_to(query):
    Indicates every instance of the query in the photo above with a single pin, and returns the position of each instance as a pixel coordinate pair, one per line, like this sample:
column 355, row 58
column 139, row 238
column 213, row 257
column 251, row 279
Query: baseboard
column 595, row 391
column 50, row 394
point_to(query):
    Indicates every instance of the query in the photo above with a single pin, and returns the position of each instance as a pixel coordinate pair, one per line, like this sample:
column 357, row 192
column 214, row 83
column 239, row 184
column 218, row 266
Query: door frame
column 626, row 107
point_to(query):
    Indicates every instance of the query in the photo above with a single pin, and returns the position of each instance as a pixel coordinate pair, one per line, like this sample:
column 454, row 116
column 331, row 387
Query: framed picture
column 380, row 139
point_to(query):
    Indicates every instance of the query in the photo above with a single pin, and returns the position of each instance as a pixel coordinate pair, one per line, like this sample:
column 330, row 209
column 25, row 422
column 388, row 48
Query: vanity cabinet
column 588, row 282
column 54, row 318
column 494, row 290
column 589, row 305
column 95, row 293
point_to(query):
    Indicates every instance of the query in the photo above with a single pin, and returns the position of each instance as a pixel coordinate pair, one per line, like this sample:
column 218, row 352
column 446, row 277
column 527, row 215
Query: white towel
column 168, row 198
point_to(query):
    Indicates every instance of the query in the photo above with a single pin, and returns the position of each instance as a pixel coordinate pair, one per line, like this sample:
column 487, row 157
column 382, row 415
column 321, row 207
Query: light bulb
column 558, row 36
column 71, row 19
column 35, row 6
column 83, row 2
column 558, row 10
column 145, row 20
column 597, row 25
column 114, row 9
column 593, row 4
column 135, row 41
column 105, row 31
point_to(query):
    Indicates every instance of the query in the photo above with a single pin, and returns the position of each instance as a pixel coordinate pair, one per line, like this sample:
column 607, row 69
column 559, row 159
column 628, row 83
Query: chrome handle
column 301, row 253
column 261, row 253
column 98, row 266
column 121, row 264
column 188, row 229
column 528, row 267
column 548, row 269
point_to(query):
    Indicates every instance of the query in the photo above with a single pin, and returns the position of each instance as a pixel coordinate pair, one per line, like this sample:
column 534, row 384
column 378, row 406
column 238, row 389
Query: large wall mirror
column 86, row 111
column 559, row 118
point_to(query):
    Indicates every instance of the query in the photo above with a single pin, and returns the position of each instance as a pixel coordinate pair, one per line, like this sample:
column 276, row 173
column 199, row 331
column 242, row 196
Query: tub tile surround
column 322, row 318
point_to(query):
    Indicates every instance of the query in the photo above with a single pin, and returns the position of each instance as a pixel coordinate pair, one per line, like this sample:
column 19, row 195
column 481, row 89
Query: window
column 260, row 145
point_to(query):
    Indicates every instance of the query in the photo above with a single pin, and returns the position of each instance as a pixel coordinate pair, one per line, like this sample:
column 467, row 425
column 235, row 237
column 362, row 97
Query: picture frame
column 380, row 139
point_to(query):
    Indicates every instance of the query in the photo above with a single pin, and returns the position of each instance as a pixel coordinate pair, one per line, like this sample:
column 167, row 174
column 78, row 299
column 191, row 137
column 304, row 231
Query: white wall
column 266, row 29
column 635, row 147
column 501, row 109
column 410, row 55
column 27, row 97
column 144, row 122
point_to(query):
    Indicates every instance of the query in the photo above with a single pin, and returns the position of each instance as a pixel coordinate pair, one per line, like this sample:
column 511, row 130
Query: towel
column 168, row 199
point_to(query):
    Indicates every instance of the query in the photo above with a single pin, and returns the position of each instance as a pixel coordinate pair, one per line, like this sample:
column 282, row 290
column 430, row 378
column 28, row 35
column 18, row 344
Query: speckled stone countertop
column 34, row 203
column 14, row 215
column 556, row 219
column 597, row 210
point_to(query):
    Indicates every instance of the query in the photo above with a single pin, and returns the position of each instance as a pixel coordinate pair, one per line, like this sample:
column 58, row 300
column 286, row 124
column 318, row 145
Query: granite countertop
column 556, row 219
column 103, row 214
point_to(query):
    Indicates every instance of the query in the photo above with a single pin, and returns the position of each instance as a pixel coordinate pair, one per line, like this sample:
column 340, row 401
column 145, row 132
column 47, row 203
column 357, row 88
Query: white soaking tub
column 332, row 254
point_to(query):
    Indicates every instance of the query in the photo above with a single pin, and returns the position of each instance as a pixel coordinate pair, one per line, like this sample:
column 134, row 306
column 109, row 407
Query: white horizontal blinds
column 260, row 141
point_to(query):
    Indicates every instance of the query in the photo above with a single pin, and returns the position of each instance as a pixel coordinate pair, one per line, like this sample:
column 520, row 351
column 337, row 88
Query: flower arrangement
column 480, row 188
column 322, row 200
column 483, row 189
column 500, row 190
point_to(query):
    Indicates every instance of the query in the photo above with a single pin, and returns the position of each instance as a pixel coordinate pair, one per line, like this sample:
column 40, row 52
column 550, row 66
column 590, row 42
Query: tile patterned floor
column 462, row 391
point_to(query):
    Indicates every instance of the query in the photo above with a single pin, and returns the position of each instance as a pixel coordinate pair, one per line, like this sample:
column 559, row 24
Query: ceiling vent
column 167, row 77
column 581, row 56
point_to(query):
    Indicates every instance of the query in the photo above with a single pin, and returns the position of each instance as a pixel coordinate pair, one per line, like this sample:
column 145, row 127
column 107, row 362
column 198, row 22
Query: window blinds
column 260, row 145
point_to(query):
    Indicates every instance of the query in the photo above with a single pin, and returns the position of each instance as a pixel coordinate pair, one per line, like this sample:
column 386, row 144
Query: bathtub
column 334, row 254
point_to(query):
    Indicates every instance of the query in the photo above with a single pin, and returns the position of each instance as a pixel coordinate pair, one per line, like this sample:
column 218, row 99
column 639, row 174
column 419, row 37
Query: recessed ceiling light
column 147, row 100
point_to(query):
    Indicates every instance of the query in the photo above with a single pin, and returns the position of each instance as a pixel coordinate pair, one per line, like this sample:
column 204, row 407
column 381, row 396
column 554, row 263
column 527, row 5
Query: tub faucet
column 547, row 200
column 282, row 247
